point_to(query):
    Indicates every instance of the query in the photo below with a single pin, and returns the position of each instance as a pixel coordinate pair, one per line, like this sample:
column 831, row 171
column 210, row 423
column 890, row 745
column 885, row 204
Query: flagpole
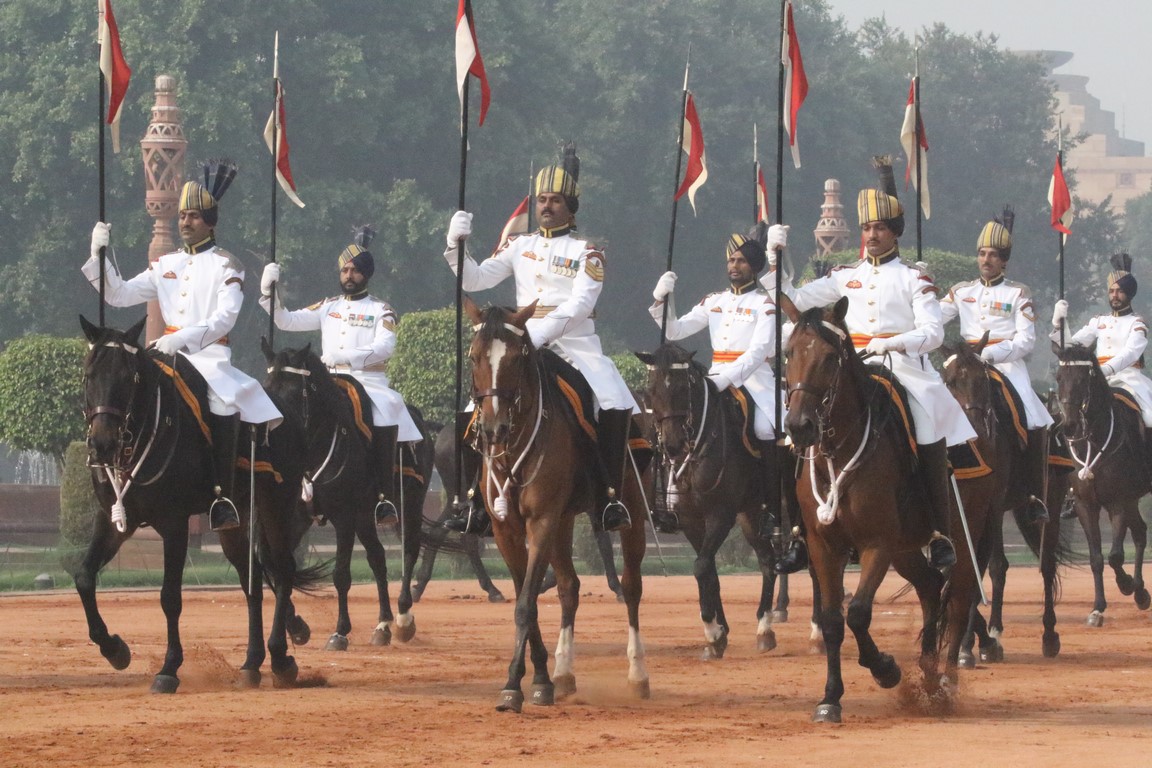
column 755, row 178
column 100, row 122
column 919, row 137
column 531, row 180
column 275, row 183
column 675, row 188
column 1060, row 235
column 778, row 352
column 460, row 479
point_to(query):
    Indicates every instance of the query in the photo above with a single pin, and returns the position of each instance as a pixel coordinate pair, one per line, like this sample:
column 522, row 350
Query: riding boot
column 382, row 458
column 795, row 559
column 468, row 514
column 222, row 515
column 612, row 439
column 1036, row 474
column 934, row 473
column 665, row 518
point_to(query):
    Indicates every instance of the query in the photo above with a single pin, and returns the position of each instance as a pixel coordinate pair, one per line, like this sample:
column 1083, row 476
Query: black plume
column 1008, row 218
column 883, row 165
column 364, row 235
column 218, row 176
column 759, row 233
column 1122, row 261
column 568, row 159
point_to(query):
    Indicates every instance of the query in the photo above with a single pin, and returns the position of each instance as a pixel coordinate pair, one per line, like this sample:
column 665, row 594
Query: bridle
column 825, row 395
column 1088, row 461
column 983, row 412
column 313, row 476
column 696, row 437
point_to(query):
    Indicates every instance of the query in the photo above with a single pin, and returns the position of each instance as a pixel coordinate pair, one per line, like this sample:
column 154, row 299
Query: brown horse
column 863, row 492
column 974, row 384
column 1104, row 435
column 538, row 473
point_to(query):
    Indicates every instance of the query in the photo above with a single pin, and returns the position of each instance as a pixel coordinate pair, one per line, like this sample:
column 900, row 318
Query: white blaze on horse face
column 495, row 355
column 565, row 652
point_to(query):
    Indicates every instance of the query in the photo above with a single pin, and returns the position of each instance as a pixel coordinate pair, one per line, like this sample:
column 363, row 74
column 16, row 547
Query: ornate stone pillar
column 832, row 231
column 163, row 147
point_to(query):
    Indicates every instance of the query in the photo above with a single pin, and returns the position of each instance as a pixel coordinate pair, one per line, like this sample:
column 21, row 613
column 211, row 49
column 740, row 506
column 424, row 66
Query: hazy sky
column 1109, row 38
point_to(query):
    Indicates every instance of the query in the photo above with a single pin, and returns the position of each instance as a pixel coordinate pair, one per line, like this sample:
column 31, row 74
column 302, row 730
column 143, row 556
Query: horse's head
column 671, row 375
column 503, row 366
column 113, row 387
column 1078, row 376
column 293, row 375
column 818, row 352
column 966, row 376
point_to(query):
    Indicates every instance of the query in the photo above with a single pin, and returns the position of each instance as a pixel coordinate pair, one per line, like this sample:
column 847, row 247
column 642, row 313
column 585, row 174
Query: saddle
column 360, row 402
column 191, row 387
column 1008, row 405
column 738, row 408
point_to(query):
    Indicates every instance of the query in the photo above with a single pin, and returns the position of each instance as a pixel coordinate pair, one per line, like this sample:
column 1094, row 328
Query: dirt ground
column 431, row 701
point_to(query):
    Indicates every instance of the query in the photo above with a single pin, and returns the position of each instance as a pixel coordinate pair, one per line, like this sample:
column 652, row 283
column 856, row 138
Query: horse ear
column 521, row 317
column 841, row 309
column 1057, row 349
column 978, row 347
column 471, row 310
column 645, row 357
column 91, row 331
column 789, row 308
column 266, row 348
column 135, row 331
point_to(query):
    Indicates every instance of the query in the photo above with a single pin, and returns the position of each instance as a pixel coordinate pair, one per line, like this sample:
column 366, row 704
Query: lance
column 100, row 122
column 1060, row 235
column 919, row 137
column 460, row 479
column 778, row 353
column 676, row 187
column 275, row 181
column 755, row 178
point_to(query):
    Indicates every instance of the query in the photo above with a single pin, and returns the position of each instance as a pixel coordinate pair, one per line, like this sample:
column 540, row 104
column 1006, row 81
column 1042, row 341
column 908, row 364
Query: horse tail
column 1031, row 532
column 310, row 579
column 947, row 595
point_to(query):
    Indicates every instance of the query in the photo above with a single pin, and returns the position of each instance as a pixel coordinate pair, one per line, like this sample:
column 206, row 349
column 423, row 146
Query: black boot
column 468, row 514
column 612, row 438
column 795, row 558
column 934, row 472
column 1036, row 474
column 664, row 517
column 382, row 461
column 222, row 515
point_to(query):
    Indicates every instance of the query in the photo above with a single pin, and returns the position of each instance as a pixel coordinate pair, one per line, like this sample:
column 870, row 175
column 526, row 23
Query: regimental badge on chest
column 853, row 284
column 565, row 267
column 360, row 321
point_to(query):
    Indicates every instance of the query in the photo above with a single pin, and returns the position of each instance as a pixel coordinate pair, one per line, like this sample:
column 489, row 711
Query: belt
column 860, row 340
column 1138, row 364
column 374, row 368
column 169, row 329
column 990, row 341
column 544, row 311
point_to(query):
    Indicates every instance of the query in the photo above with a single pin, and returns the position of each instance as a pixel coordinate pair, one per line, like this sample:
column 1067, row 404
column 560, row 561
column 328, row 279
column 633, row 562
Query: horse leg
column 1049, row 545
column 940, row 622
column 568, row 590
column 873, row 567
column 780, row 612
column 608, row 556
column 828, row 577
column 976, row 627
column 472, row 548
column 434, row 538
column 411, row 517
column 633, row 546
column 102, row 548
column 766, row 561
column 234, row 544
column 1090, row 521
column 342, row 577
column 998, row 570
column 526, row 572
column 716, row 529
column 368, row 534
column 1139, row 531
column 172, row 601
column 1118, row 517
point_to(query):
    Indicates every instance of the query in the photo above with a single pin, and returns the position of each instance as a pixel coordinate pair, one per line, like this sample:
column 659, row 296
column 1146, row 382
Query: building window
column 1125, row 180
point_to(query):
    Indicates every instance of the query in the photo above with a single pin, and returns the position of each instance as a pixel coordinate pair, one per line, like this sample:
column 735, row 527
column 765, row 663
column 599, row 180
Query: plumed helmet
column 218, row 176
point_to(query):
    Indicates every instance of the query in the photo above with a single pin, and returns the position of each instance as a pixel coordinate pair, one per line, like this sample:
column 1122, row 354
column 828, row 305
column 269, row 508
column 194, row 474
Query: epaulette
column 964, row 284
column 233, row 262
column 322, row 302
column 381, row 302
column 1025, row 291
column 839, row 267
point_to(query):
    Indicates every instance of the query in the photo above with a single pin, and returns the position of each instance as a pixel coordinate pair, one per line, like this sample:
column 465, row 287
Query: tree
column 423, row 369
column 41, row 391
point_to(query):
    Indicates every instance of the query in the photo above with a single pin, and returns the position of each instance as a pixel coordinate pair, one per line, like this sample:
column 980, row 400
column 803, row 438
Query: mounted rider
column 200, row 291
column 358, row 337
column 1003, row 308
column 564, row 273
column 894, row 316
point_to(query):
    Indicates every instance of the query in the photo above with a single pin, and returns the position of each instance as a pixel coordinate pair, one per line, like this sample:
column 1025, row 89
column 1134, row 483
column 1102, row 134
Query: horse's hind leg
column 1139, row 531
column 873, row 567
column 234, row 544
column 1119, row 518
column 342, row 577
column 366, row 531
column 766, row 561
column 608, row 556
column 780, row 612
column 410, row 533
column 1049, row 545
column 434, row 539
column 633, row 545
column 998, row 570
column 472, row 546
column 105, row 544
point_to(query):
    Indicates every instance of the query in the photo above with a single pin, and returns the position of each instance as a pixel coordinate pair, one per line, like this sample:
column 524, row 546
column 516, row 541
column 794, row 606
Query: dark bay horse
column 1104, row 435
column 862, row 492
column 976, row 386
column 343, row 484
column 539, row 472
column 149, row 452
column 705, row 449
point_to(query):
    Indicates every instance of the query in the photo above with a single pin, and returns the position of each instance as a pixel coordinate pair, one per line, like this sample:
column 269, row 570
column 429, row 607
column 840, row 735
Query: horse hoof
column 285, row 675
column 966, row 660
column 780, row 616
column 119, row 655
column 165, row 684
column 817, row 648
column 1143, row 599
column 496, row 596
column 543, row 694
column 712, row 652
column 887, row 672
column 993, row 654
column 1051, row 646
column 1126, row 584
column 827, row 713
column 766, row 642
column 640, row 689
column 405, row 632
column 299, row 630
column 337, row 642
column 382, row 636
column 510, row 701
column 564, row 685
column 249, row 678
column 1095, row 619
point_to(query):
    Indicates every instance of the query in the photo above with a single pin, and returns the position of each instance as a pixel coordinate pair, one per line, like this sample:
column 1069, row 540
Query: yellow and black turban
column 752, row 250
column 562, row 178
column 218, row 176
column 996, row 235
column 358, row 253
column 882, row 204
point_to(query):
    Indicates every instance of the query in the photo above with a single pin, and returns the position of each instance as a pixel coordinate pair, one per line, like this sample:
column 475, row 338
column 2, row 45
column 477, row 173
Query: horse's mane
column 671, row 354
column 1078, row 352
column 327, row 390
column 492, row 321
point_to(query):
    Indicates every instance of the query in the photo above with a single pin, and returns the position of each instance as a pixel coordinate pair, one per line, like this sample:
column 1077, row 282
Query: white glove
column 1059, row 312
column 879, row 346
column 1107, row 370
column 777, row 241
column 171, row 343
column 923, row 265
column 100, row 237
column 333, row 359
column 988, row 355
column 721, row 381
column 270, row 275
column 460, row 227
column 664, row 286
column 536, row 337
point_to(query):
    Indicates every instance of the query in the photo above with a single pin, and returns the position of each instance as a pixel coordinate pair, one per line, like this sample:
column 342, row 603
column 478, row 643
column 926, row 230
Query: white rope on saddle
column 1085, row 472
column 826, row 512
column 500, row 505
column 119, row 514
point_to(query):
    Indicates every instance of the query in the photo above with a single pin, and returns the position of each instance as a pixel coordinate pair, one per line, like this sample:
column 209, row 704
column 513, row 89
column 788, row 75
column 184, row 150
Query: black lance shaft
column 100, row 121
column 675, row 189
column 778, row 352
column 1060, row 240
column 919, row 137
column 460, row 293
column 275, row 184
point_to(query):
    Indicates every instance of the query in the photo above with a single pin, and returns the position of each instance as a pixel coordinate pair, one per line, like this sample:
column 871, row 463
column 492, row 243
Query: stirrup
column 941, row 553
column 795, row 559
column 385, row 513
column 615, row 516
column 665, row 521
column 469, row 516
column 1037, row 511
column 222, row 515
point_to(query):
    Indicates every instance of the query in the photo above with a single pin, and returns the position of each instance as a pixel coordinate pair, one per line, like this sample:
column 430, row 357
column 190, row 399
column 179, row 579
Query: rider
column 741, row 323
column 1003, row 308
column 358, row 335
column 565, row 274
column 200, row 290
column 1120, row 337
column 893, row 315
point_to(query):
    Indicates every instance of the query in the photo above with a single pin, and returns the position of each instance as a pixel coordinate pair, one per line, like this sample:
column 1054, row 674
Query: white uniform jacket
column 358, row 336
column 200, row 290
column 742, row 326
column 1120, row 342
column 891, row 299
column 1004, row 309
column 564, row 273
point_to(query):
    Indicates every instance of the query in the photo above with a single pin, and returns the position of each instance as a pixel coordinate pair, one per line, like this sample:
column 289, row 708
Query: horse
column 973, row 383
column 343, row 484
column 151, row 463
column 863, row 493
column 539, row 472
column 705, row 449
column 1104, row 433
